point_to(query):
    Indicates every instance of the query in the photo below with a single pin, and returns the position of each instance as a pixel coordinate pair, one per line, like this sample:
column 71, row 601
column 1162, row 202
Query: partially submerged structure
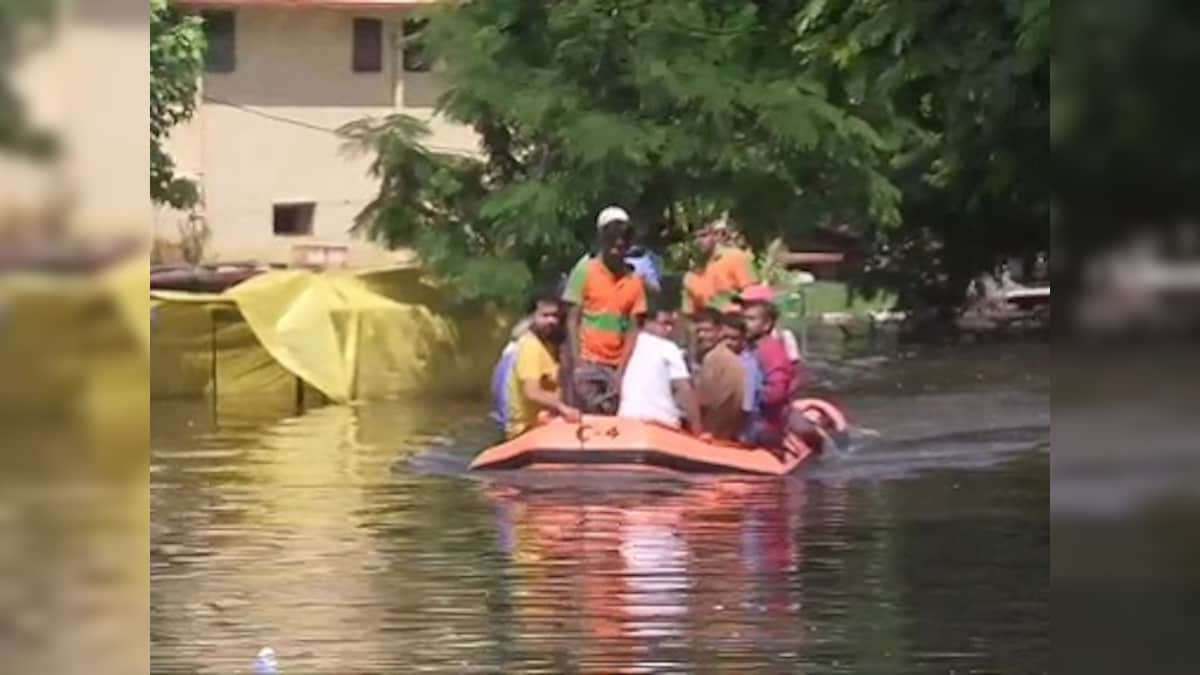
column 338, row 336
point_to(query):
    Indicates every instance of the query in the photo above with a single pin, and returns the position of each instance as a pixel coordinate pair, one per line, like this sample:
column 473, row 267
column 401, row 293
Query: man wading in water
column 608, row 298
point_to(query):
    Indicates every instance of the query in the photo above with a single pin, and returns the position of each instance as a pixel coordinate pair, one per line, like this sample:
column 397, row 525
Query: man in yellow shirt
column 533, row 380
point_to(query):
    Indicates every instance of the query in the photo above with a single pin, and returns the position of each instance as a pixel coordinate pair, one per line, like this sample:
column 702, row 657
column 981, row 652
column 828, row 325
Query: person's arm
column 790, row 344
column 682, row 389
column 631, row 333
column 685, row 396
column 547, row 400
column 574, row 318
column 631, row 337
column 687, row 303
column 573, row 296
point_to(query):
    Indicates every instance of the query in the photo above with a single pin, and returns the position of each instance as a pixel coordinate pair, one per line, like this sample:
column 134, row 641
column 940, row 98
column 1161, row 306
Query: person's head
column 760, row 317
column 709, row 237
column 758, row 308
column 733, row 332
column 661, row 316
column 614, row 235
column 735, row 238
column 545, row 315
column 708, row 329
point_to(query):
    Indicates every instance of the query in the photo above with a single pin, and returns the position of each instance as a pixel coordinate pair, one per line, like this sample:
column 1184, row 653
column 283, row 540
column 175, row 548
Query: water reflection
column 641, row 577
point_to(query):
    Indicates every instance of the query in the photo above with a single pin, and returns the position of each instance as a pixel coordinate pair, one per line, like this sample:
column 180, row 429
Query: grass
column 828, row 296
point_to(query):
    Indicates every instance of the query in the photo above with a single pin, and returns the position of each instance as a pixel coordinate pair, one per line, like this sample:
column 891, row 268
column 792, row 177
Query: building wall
column 265, row 132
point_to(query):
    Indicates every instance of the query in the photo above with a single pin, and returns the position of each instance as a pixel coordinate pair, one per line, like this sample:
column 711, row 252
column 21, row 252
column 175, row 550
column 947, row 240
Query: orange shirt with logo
column 608, row 304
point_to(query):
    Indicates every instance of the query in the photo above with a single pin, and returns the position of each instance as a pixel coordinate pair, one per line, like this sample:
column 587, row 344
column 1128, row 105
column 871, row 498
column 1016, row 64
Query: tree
column 788, row 114
column 967, row 85
column 176, row 63
column 676, row 110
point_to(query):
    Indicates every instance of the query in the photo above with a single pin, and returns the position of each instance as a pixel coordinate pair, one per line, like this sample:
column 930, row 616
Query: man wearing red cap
column 780, row 378
column 764, row 293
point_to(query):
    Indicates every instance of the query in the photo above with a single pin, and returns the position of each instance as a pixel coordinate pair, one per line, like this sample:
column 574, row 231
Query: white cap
column 611, row 214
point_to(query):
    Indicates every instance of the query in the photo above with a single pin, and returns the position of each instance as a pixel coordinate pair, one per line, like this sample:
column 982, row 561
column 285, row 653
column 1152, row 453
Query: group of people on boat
column 607, row 343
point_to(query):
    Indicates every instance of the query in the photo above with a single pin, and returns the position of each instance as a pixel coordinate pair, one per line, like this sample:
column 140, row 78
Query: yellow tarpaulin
column 73, row 351
column 350, row 336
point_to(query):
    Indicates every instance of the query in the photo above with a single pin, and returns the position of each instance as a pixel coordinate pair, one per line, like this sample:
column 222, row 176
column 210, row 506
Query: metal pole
column 299, row 396
column 212, row 343
column 804, row 321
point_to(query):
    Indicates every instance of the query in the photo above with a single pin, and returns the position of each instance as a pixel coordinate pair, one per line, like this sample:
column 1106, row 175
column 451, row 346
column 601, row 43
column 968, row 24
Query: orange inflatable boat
column 619, row 443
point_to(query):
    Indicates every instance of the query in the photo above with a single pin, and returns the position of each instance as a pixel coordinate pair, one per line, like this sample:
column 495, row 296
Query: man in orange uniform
column 726, row 272
column 608, row 297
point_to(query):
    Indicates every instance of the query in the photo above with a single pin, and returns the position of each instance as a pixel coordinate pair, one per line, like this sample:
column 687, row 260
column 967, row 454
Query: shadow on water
column 352, row 540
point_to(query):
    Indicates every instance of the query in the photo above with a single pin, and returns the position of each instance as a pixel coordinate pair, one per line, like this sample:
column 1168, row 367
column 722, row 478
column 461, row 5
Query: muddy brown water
column 352, row 540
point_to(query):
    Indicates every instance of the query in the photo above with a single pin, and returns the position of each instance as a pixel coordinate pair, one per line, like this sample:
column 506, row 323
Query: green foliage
column 176, row 63
column 787, row 114
column 675, row 110
column 25, row 25
column 965, row 88
column 431, row 201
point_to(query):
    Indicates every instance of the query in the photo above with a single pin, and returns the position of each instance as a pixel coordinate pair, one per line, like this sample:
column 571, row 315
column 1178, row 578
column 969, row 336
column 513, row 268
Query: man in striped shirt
column 607, row 297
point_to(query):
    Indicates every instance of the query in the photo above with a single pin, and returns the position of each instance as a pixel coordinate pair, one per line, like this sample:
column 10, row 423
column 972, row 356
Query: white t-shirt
column 646, row 392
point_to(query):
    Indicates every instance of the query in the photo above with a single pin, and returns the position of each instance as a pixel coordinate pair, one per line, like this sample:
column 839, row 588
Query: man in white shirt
column 657, row 386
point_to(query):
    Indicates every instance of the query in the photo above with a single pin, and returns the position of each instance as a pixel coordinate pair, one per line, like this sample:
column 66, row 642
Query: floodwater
column 351, row 540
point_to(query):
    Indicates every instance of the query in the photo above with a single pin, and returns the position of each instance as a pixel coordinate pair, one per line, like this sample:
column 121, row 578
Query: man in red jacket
column 780, row 377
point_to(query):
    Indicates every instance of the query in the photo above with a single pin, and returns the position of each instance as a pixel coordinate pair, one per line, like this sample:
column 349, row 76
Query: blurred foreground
column 74, row 330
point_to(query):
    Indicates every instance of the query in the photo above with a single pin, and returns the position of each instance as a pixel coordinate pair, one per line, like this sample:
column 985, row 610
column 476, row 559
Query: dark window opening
column 368, row 45
column 220, row 35
column 293, row 220
column 416, row 57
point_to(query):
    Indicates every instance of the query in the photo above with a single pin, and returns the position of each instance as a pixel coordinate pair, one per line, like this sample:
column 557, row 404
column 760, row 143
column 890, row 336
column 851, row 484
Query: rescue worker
column 607, row 298
column 726, row 271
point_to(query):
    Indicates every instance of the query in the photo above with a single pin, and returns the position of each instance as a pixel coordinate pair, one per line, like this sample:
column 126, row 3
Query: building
column 281, row 76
